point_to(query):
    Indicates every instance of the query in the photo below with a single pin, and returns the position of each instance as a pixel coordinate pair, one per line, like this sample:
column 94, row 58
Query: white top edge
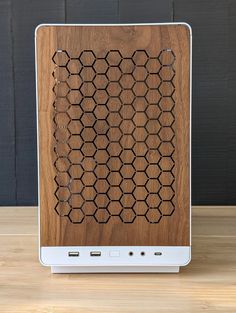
column 121, row 24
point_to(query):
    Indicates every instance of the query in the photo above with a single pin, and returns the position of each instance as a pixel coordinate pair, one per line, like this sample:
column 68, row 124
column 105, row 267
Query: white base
column 116, row 259
column 114, row 269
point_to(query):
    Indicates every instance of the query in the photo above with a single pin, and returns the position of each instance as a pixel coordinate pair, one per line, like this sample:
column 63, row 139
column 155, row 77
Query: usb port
column 157, row 253
column 95, row 253
column 73, row 253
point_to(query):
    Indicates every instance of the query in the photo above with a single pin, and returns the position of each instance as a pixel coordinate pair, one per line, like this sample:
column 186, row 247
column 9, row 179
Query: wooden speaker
column 114, row 146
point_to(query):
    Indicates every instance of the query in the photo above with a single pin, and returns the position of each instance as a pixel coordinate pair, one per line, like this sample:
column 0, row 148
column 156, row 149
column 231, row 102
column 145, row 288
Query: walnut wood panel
column 113, row 107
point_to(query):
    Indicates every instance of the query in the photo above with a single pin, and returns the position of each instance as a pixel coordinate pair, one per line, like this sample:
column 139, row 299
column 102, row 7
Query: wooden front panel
column 114, row 153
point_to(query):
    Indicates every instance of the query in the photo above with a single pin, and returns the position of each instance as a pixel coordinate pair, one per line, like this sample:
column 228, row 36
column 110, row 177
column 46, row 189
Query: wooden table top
column 208, row 284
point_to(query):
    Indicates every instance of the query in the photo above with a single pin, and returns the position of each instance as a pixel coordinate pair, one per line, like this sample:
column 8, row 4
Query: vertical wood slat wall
column 214, row 78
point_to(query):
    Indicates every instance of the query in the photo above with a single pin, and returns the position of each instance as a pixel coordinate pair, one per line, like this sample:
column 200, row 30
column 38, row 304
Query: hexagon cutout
column 88, row 119
column 166, row 89
column 74, row 82
column 75, row 112
column 166, row 193
column 113, row 74
column 152, row 185
column 63, row 208
column 153, row 216
column 75, row 156
column 127, row 66
column 61, row 119
column 101, row 200
column 62, row 193
column 114, row 149
column 140, row 57
column 166, row 163
column 76, row 186
column 166, row 149
column 140, row 208
column 127, row 215
column 88, row 134
column 76, row 216
column 100, row 66
column 87, row 74
column 166, row 134
column 113, row 57
column 76, row 171
column 88, row 149
column 62, row 179
column 87, row 89
column 101, row 186
column 61, row 57
column 62, row 149
column 140, row 74
column 166, row 57
column 61, row 89
column 167, row 73
column 127, row 186
column 166, row 119
column 101, row 96
column 102, row 215
column 61, row 134
column 87, row 58
column 127, row 171
column 166, row 104
column 74, row 66
column 75, row 142
column 113, row 89
column 76, row 201
column 140, row 89
column 114, row 193
column 101, row 156
column 61, row 104
column 101, row 112
column 114, row 208
column 167, row 208
column 75, row 127
column 101, row 127
column 101, row 81
column 153, row 66
column 114, row 178
column 74, row 96
column 101, row 171
column 62, row 164
column 127, row 96
column 60, row 74
column 101, row 142
column 140, row 193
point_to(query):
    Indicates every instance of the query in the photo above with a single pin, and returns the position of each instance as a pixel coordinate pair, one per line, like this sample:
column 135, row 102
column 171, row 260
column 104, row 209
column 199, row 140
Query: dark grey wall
column 214, row 86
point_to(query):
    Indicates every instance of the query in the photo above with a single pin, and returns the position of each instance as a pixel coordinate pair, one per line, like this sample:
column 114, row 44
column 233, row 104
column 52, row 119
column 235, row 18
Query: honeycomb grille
column 114, row 135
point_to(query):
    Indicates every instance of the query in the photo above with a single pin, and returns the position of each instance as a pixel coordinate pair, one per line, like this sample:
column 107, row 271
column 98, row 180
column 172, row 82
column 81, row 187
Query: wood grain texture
column 77, row 118
column 207, row 284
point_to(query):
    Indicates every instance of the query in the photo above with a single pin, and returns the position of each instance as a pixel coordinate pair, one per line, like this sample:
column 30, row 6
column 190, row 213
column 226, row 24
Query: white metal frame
column 114, row 258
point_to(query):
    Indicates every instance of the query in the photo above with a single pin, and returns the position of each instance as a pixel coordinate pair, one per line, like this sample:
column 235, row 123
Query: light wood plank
column 18, row 220
column 208, row 284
